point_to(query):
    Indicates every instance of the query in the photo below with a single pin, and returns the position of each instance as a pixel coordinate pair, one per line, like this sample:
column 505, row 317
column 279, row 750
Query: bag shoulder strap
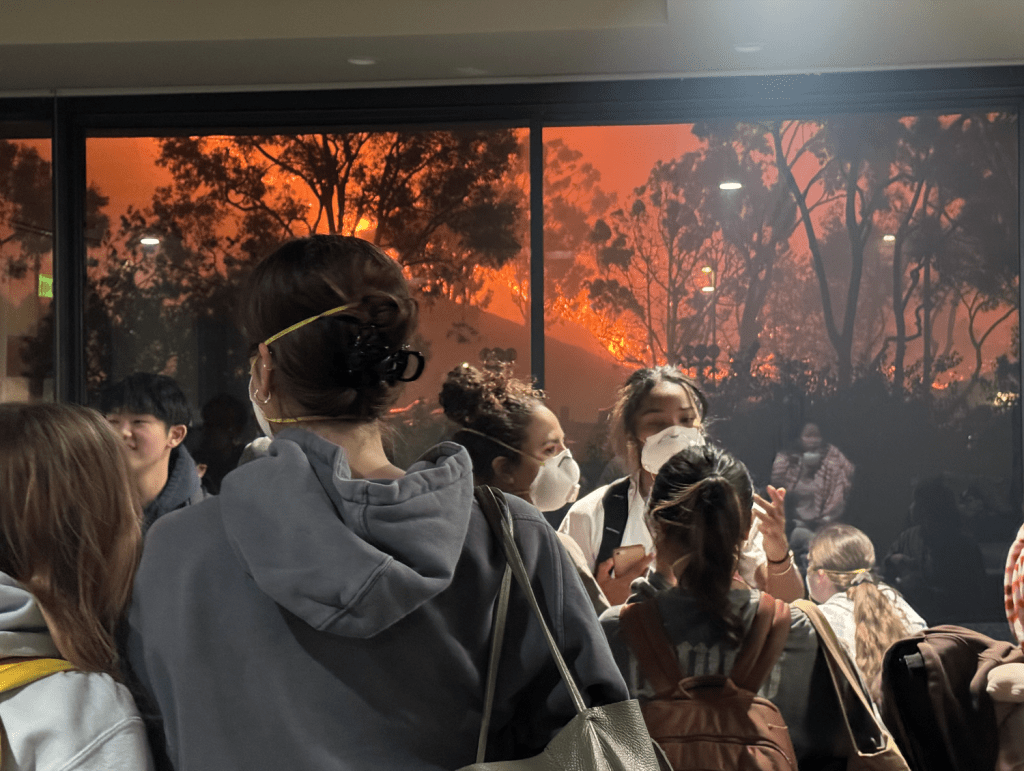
column 492, row 513
column 18, row 673
column 616, row 513
column 644, row 632
column 763, row 643
column 846, row 680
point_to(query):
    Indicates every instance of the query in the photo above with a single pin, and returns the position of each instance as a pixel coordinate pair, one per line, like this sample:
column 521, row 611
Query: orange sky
column 125, row 171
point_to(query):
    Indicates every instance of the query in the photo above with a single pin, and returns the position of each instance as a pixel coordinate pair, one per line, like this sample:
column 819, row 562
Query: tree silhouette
column 439, row 201
column 26, row 243
column 649, row 254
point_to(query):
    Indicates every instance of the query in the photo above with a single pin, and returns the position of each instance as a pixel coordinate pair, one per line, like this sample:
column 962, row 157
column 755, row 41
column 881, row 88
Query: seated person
column 818, row 479
column 934, row 563
column 151, row 414
column 867, row 615
column 699, row 524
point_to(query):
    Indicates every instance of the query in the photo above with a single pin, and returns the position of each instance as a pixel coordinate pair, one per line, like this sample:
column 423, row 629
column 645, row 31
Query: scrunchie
column 862, row 576
column 1013, row 586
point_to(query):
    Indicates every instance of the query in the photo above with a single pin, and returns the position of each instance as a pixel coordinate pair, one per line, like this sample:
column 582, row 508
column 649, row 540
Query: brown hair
column 697, row 507
column 847, row 556
column 631, row 398
column 494, row 403
column 69, row 523
column 332, row 366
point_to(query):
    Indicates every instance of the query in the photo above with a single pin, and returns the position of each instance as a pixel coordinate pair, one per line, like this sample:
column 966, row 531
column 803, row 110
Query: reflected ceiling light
column 889, row 237
column 707, row 289
column 361, row 61
column 706, row 269
column 149, row 241
column 730, row 186
column 748, row 49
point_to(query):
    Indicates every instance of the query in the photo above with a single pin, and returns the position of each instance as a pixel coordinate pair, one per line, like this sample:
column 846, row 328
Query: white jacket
column 68, row 721
column 584, row 523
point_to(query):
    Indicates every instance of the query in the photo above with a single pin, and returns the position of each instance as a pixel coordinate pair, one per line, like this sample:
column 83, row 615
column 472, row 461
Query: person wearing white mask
column 516, row 444
column 659, row 412
column 819, row 479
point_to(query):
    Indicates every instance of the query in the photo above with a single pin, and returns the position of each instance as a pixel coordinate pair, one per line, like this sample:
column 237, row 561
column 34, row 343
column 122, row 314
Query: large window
column 856, row 271
column 26, row 266
column 190, row 215
column 842, row 265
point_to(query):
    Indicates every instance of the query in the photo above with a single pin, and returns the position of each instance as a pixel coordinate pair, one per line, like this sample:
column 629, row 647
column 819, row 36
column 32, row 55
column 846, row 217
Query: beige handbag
column 608, row 738
column 872, row 748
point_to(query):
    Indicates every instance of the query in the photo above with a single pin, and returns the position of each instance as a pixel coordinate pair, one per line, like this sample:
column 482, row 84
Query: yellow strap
column 19, row 673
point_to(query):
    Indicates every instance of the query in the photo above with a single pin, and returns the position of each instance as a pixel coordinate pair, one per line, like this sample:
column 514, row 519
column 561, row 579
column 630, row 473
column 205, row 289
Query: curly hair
column 331, row 367
column 631, row 399
column 847, row 557
column 697, row 507
column 489, row 406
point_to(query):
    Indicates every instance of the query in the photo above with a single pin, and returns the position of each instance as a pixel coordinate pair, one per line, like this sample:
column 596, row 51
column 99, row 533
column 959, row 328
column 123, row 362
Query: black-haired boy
column 152, row 415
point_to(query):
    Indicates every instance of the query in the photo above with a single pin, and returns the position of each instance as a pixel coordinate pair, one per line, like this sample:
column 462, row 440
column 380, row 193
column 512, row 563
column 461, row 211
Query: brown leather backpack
column 713, row 721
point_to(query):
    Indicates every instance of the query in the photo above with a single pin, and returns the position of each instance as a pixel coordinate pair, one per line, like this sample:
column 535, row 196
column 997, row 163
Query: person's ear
column 263, row 370
column 176, row 434
column 503, row 468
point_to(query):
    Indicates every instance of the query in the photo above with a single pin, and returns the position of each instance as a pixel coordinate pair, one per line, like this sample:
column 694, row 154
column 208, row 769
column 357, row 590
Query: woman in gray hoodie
column 329, row 610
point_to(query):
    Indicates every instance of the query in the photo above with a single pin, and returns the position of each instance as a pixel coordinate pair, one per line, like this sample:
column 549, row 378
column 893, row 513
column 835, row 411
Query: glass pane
column 26, row 256
column 190, row 215
column 856, row 271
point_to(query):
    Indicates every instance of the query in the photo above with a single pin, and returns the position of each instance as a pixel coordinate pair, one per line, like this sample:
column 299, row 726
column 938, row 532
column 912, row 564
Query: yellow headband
column 310, row 320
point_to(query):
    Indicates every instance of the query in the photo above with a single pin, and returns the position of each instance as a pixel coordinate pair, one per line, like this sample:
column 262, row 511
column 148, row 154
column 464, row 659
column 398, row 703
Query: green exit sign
column 45, row 286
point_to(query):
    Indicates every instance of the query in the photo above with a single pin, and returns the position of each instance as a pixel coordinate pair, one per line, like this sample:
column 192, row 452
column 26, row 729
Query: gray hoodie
column 303, row 619
column 68, row 721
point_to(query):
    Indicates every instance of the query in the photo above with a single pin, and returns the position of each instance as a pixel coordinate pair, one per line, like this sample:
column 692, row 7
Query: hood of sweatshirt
column 347, row 556
column 23, row 631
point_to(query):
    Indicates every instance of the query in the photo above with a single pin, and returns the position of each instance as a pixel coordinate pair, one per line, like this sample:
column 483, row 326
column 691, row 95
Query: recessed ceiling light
column 361, row 61
column 748, row 49
column 149, row 241
column 730, row 186
column 889, row 237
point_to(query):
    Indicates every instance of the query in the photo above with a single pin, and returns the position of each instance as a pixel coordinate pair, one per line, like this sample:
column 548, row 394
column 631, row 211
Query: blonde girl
column 867, row 615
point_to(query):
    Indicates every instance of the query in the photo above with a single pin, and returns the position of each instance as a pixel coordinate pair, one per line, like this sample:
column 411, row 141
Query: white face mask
column 261, row 418
column 557, row 483
column 664, row 444
column 812, row 458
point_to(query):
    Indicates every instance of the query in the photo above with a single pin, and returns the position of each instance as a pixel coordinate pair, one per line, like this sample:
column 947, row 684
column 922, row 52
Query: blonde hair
column 847, row 557
column 69, row 524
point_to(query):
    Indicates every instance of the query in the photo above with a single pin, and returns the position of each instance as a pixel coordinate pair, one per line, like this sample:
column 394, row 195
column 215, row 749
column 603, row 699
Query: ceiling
column 135, row 46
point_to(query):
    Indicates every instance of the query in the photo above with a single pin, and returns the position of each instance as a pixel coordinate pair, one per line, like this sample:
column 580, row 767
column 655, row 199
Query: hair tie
column 862, row 576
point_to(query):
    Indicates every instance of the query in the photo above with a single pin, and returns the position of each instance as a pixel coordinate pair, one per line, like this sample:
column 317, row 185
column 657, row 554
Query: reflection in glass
column 26, row 270
column 191, row 214
column 857, row 271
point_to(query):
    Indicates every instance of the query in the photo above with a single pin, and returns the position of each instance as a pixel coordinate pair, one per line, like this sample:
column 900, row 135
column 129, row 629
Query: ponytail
column 879, row 623
column 695, row 507
column 847, row 557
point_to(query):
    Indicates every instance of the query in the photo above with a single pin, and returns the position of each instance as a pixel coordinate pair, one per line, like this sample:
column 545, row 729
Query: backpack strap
column 616, row 512
column 644, row 633
column 15, row 674
column 763, row 643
